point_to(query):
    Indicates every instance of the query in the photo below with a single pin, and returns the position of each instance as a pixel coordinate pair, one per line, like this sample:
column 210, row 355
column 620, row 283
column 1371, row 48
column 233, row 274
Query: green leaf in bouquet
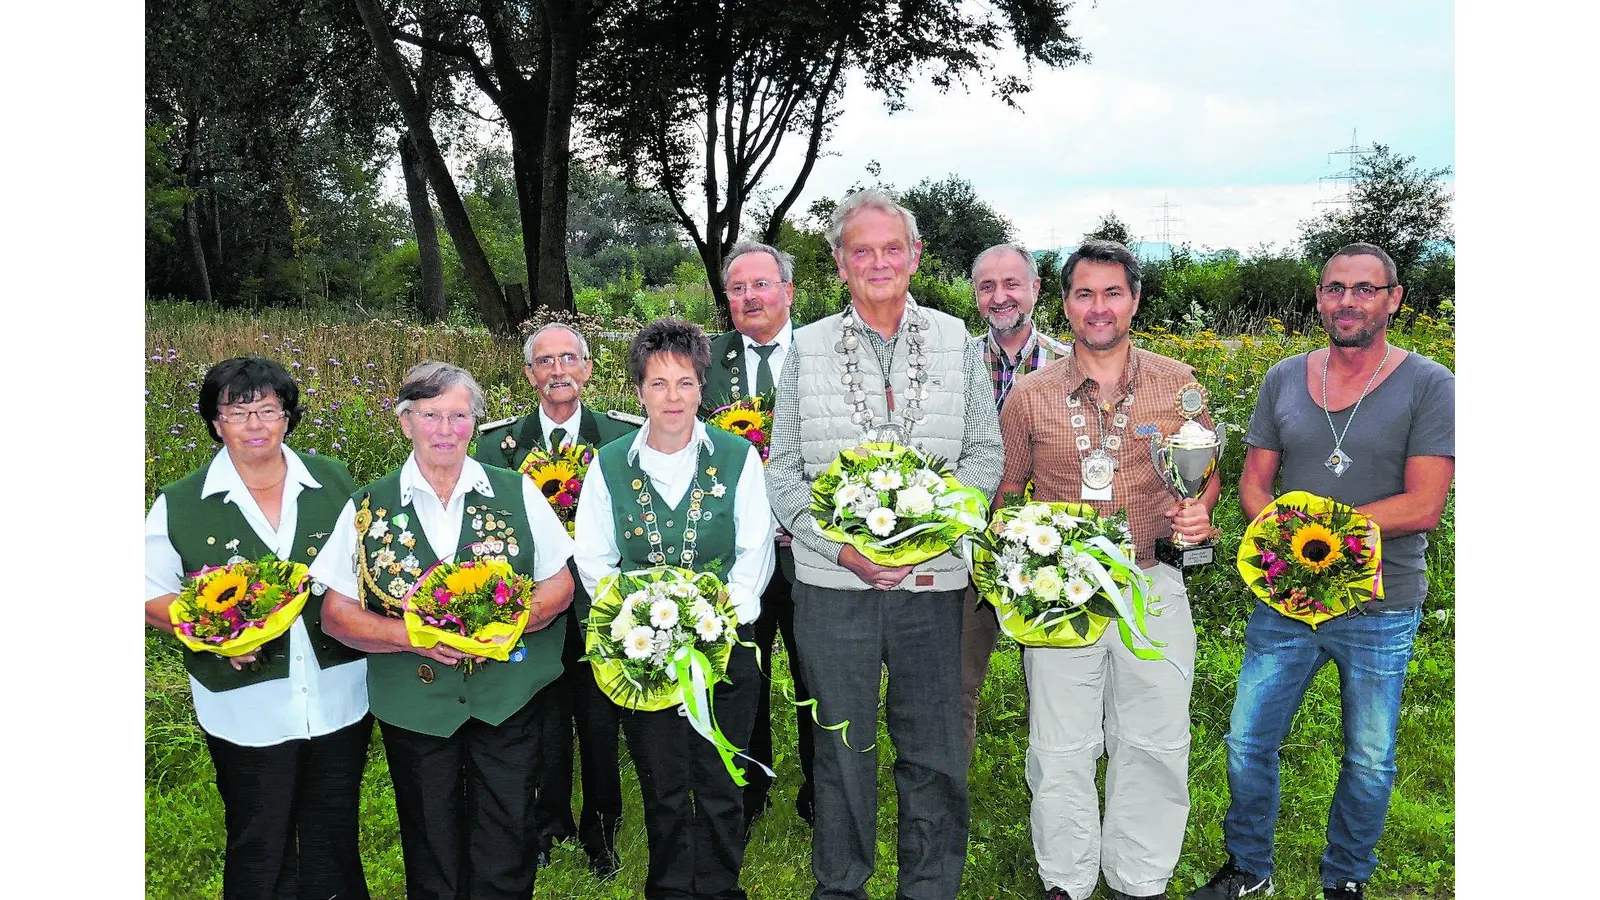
column 1079, row 623
column 1100, row 606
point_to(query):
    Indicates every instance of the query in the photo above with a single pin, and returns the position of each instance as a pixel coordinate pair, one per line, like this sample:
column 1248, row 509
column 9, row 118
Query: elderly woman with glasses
column 701, row 491
column 287, row 726
column 459, row 739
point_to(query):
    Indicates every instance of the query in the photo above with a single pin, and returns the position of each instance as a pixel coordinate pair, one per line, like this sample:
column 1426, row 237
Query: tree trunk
column 525, row 169
column 430, row 302
column 199, row 278
column 485, row 289
column 565, row 27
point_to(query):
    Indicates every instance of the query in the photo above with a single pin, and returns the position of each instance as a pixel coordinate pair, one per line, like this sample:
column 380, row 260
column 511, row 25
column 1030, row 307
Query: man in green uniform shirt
column 558, row 367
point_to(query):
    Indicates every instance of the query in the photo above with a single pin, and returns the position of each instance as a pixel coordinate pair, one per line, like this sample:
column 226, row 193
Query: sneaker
column 1347, row 890
column 1056, row 893
column 1231, row 883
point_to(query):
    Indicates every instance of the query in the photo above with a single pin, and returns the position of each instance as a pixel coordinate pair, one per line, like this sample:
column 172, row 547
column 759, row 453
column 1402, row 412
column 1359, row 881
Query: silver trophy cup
column 1186, row 460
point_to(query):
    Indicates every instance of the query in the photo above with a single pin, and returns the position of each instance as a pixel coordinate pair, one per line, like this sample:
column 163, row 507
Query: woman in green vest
column 461, row 742
column 702, row 493
column 287, row 731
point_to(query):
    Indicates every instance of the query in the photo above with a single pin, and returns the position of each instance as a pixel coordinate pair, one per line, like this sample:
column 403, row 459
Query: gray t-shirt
column 1412, row 413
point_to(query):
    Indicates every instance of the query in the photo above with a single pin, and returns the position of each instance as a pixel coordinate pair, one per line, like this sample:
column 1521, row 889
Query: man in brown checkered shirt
column 1083, row 700
column 1005, row 282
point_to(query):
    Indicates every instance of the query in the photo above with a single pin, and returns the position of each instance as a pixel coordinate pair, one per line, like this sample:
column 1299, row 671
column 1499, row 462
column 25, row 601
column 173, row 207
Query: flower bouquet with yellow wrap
column 749, row 418
column 1058, row 574
column 893, row 504
column 1312, row 558
column 661, row 637
column 479, row 607
column 233, row 609
column 559, row 476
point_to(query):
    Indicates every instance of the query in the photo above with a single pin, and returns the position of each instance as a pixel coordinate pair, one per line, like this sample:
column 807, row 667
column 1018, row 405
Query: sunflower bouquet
column 1059, row 573
column 895, row 505
column 749, row 418
column 661, row 637
column 234, row 609
column 559, row 477
column 1312, row 558
column 478, row 607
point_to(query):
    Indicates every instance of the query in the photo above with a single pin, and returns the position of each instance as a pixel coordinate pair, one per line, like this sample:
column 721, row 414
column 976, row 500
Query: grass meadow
column 348, row 372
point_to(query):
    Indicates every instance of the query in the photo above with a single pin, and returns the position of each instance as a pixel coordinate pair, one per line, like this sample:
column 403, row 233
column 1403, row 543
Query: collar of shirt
column 872, row 333
column 473, row 478
column 997, row 353
column 571, row 424
column 785, row 335
column 221, row 476
column 639, row 446
column 1075, row 376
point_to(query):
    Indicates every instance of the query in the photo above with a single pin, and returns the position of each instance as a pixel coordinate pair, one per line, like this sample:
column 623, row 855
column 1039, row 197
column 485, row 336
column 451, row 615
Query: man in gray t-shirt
column 1373, row 426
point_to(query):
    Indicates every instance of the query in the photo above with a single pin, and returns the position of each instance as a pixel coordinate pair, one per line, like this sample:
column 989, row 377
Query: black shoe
column 1057, row 894
column 1118, row 895
column 1231, row 883
column 804, row 807
column 605, row 865
column 1347, row 890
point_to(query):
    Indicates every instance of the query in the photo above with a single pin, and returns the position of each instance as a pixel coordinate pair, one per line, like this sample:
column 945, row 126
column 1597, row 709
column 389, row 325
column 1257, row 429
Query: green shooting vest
column 200, row 529
column 421, row 694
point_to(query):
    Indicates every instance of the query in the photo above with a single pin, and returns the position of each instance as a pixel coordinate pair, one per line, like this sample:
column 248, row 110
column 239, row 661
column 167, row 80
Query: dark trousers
column 693, row 812
column 465, row 804
column 292, row 812
column 846, row 638
column 777, row 616
column 575, row 697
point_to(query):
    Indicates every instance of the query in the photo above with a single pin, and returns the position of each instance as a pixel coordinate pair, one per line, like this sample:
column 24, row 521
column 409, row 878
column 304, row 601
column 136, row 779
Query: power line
column 1346, row 178
column 1164, row 220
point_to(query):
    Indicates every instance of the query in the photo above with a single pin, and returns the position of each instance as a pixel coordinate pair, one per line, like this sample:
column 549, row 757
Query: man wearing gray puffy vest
column 918, row 381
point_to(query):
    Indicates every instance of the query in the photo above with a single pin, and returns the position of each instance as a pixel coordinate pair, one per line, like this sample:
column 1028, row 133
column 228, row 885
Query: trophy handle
column 1160, row 456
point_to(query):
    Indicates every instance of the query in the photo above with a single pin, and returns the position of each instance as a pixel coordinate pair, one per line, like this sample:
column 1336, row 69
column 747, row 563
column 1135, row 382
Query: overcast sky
column 1228, row 111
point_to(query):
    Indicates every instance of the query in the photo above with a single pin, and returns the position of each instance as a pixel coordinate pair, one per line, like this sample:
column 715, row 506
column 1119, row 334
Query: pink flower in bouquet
column 565, row 500
column 441, row 596
column 755, row 436
column 573, row 486
column 1354, row 545
column 502, row 594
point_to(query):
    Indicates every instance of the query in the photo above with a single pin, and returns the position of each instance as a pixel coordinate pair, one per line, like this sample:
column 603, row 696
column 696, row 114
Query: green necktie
column 764, row 368
column 557, row 435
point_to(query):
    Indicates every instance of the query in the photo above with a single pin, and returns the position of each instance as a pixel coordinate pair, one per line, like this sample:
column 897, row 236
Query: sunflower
column 223, row 592
column 1315, row 547
column 552, row 476
column 467, row 580
column 740, row 421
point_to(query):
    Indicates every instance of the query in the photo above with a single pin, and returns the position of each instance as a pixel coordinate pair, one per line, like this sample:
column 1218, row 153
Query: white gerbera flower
column 663, row 613
column 1078, row 592
column 1044, row 540
column 701, row 608
column 379, row 529
column 709, row 628
column 1019, row 580
column 1016, row 530
column 881, row 521
column 681, row 589
column 847, row 494
column 864, row 505
column 885, row 479
column 1066, row 521
column 929, row 479
column 914, row 501
column 1034, row 513
column 639, row 642
column 1047, row 584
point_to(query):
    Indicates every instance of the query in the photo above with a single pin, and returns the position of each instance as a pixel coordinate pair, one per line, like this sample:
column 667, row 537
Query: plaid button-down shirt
column 1041, row 348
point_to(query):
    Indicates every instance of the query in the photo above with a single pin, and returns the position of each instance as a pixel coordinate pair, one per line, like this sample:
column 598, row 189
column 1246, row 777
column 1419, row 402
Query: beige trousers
column 1085, row 700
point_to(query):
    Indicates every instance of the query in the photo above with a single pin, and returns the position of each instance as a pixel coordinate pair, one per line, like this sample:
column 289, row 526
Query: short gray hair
column 868, row 198
column 527, row 345
column 1033, row 264
column 1390, row 273
column 785, row 261
column 430, row 378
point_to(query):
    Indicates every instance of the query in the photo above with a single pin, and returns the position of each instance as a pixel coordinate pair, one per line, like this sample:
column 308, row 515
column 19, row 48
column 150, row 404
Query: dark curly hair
column 669, row 335
column 246, row 379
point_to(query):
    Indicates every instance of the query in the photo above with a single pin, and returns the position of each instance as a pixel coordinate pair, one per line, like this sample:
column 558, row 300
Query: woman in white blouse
column 683, row 494
column 287, row 726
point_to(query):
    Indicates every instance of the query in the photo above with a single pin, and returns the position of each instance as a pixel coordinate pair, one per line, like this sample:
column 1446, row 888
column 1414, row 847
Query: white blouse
column 312, row 701
column 671, row 474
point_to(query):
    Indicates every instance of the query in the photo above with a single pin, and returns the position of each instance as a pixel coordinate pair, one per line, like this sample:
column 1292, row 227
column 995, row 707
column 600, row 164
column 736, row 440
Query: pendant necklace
column 849, row 346
column 1098, row 466
column 1338, row 461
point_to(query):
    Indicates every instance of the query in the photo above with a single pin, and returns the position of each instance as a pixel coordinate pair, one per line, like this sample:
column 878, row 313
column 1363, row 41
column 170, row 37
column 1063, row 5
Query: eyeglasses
column 760, row 286
column 567, row 359
column 264, row 416
column 434, row 419
column 1362, row 291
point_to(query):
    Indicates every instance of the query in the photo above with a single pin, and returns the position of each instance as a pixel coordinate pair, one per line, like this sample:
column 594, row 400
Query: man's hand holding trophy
column 1186, row 461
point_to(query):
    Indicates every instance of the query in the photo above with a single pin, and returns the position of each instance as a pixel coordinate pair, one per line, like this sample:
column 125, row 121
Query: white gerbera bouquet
column 895, row 505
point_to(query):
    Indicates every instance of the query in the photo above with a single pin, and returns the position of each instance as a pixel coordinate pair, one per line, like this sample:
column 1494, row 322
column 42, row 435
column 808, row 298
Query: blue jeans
column 1280, row 658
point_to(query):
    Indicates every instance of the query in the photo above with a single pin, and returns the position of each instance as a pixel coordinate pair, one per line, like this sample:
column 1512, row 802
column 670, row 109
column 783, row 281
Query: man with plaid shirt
column 1005, row 280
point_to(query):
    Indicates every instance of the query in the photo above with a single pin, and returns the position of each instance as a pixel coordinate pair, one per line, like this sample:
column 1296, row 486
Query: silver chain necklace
column 849, row 345
column 1338, row 461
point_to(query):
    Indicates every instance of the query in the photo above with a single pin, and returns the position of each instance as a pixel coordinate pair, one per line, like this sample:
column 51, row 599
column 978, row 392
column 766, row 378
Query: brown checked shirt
column 1035, row 425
